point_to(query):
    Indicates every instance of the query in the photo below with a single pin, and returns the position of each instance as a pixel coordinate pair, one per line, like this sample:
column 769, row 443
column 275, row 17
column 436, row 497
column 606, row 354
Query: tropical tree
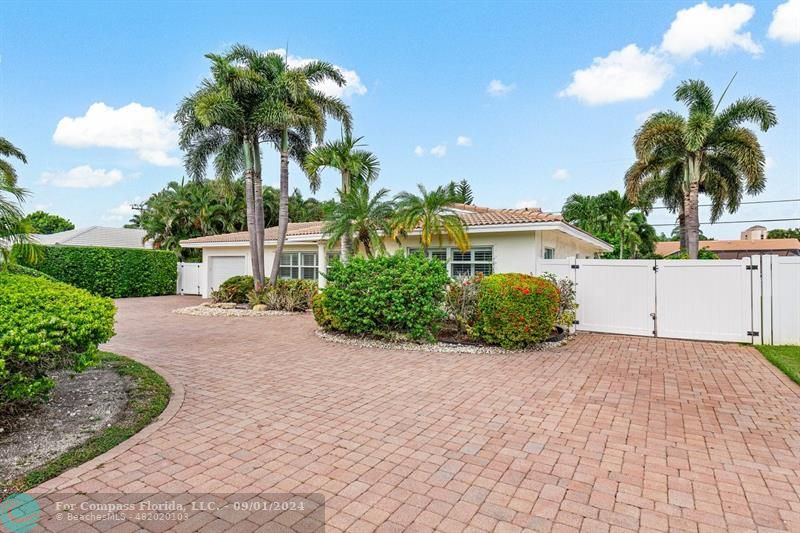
column 47, row 223
column 432, row 214
column 14, row 230
column 297, row 111
column 791, row 233
column 356, row 166
column 708, row 152
column 462, row 190
column 363, row 216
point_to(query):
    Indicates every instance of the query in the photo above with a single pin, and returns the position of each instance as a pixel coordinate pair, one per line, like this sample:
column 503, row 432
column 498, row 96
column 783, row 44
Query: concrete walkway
column 609, row 433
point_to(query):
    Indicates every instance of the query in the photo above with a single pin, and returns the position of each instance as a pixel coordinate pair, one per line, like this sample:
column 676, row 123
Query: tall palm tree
column 296, row 109
column 709, row 151
column 356, row 166
column 363, row 216
column 432, row 214
column 462, row 191
column 582, row 211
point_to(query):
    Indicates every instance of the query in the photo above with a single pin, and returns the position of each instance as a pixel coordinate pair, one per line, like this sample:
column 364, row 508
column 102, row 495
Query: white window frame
column 552, row 253
column 450, row 260
column 297, row 265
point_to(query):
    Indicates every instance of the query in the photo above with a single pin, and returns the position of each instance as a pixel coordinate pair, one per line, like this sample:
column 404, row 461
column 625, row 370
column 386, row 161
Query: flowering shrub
column 568, row 307
column 388, row 296
column 461, row 301
column 515, row 310
column 46, row 325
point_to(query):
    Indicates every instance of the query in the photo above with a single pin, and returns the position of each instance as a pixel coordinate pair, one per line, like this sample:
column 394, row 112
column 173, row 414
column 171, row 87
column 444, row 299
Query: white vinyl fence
column 189, row 278
column 755, row 299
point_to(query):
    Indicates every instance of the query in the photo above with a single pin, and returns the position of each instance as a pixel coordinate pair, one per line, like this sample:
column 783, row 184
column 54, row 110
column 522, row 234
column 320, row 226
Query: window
column 299, row 265
column 549, row 253
column 469, row 263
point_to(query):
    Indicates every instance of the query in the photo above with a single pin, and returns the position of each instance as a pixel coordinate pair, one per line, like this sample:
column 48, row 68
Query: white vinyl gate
column 189, row 278
column 755, row 299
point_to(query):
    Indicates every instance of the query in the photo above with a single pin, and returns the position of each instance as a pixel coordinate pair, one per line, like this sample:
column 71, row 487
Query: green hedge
column 46, row 325
column 386, row 296
column 112, row 272
column 515, row 310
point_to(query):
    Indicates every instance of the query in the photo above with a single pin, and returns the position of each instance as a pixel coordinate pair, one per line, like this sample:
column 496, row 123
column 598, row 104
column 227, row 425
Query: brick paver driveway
column 609, row 433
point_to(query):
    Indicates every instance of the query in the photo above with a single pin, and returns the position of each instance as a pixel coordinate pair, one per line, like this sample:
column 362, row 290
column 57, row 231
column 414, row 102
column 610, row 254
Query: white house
column 502, row 240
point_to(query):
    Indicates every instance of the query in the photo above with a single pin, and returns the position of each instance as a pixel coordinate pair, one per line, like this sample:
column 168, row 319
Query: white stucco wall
column 513, row 251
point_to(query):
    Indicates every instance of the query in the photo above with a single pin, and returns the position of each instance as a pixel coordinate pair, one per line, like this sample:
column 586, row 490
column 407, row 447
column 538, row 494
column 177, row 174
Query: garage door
column 222, row 268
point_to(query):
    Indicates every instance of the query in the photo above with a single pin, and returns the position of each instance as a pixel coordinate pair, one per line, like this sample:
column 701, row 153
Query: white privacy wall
column 755, row 299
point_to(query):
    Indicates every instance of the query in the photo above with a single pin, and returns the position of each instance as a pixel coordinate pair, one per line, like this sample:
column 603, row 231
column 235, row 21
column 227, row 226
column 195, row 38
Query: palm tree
column 14, row 230
column 297, row 111
column 432, row 214
column 582, row 211
column 357, row 166
column 365, row 217
column 707, row 152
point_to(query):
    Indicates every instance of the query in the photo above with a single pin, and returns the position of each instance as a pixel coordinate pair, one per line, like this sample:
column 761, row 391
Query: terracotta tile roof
column 470, row 214
column 763, row 245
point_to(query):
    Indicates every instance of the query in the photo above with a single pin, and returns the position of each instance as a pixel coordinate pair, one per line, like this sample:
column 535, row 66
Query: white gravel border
column 440, row 347
column 204, row 310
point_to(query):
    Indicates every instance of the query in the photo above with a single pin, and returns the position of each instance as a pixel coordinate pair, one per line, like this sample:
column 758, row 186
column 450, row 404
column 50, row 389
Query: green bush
column 515, row 310
column 46, row 325
column 112, row 272
column 386, row 296
column 26, row 271
column 234, row 290
column 321, row 315
column 292, row 295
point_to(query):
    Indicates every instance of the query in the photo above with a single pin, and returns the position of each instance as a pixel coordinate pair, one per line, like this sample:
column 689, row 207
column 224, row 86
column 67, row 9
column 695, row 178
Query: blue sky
column 529, row 101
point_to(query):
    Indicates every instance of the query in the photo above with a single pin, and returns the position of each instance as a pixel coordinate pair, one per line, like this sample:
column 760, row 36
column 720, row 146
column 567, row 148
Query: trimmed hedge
column 112, row 272
column 46, row 325
column 515, row 310
column 394, row 295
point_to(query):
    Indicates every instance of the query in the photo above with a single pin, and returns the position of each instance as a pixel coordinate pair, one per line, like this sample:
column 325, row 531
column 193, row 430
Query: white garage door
column 222, row 268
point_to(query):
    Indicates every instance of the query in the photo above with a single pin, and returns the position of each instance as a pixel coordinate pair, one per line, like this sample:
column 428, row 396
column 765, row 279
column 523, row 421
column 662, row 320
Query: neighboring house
column 738, row 248
column 503, row 240
column 754, row 233
column 97, row 236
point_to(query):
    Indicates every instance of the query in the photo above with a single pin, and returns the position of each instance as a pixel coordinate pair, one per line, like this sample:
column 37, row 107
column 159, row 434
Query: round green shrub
column 234, row 290
column 320, row 311
column 388, row 296
column 46, row 325
column 515, row 310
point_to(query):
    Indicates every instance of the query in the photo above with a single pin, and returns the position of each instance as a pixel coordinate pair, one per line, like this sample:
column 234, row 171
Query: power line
column 743, row 203
column 736, row 222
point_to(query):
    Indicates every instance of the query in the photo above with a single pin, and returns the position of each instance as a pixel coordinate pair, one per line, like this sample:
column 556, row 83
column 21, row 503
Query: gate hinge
column 575, row 266
column 655, row 268
column 575, row 322
column 653, row 316
column 752, row 334
column 751, row 267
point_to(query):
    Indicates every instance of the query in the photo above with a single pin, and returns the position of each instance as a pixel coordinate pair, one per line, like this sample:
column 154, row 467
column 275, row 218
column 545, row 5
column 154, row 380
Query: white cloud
column 352, row 80
column 498, row 88
column 560, row 174
column 463, row 141
column 145, row 130
column 522, row 204
column 703, row 27
column 644, row 115
column 785, row 25
column 769, row 163
column 122, row 213
column 626, row 74
column 419, row 151
column 83, row 177
column 439, row 150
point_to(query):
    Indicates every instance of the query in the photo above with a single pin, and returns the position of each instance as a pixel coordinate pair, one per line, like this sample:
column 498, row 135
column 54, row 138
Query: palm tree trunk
column 692, row 209
column 682, row 227
column 250, row 209
column 258, row 208
column 283, row 208
column 347, row 240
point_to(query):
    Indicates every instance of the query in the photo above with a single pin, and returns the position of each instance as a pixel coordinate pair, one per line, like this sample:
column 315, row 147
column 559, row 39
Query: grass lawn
column 787, row 358
column 148, row 398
